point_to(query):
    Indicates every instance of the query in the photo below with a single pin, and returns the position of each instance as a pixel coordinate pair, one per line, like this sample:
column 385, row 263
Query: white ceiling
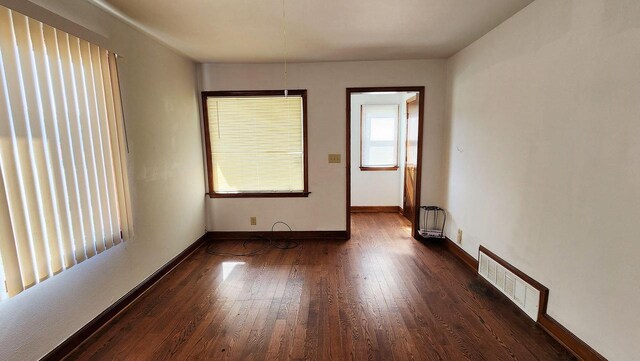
column 250, row 31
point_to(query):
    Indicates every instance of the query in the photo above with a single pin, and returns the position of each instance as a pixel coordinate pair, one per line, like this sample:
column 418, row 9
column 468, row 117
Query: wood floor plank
column 379, row 296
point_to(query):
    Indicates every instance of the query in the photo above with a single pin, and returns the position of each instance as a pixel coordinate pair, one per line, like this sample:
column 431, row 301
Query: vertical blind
column 379, row 135
column 63, row 189
column 257, row 143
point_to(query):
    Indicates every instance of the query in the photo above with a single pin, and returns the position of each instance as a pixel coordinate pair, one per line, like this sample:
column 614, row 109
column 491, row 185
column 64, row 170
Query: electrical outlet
column 459, row 236
column 334, row 158
column 254, row 221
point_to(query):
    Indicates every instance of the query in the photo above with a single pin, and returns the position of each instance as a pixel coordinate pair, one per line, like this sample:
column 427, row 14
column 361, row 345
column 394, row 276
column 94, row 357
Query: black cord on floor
column 267, row 244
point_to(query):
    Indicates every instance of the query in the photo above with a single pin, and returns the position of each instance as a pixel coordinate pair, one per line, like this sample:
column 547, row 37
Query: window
column 63, row 189
column 379, row 137
column 256, row 143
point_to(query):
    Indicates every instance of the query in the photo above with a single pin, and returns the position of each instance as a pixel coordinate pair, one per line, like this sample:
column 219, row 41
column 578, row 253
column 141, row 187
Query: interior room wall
column 166, row 177
column 374, row 188
column 543, row 165
column 326, row 83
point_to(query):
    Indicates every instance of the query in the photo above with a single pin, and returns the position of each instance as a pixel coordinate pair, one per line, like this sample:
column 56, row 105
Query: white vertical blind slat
column 81, row 135
column 105, row 142
column 92, row 159
column 90, row 147
column 64, row 194
column 122, row 176
column 8, row 249
column 25, row 109
column 81, row 221
column 115, row 156
column 9, row 160
column 59, row 146
column 45, row 146
column 97, row 148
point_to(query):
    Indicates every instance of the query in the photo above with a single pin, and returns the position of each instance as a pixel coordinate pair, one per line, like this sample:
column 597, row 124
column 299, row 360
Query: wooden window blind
column 256, row 143
column 64, row 195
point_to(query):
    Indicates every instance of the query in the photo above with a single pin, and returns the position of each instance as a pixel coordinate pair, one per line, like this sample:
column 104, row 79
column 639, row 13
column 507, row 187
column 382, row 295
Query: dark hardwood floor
column 379, row 296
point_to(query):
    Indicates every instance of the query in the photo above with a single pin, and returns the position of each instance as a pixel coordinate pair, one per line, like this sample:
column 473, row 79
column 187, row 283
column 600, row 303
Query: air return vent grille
column 523, row 294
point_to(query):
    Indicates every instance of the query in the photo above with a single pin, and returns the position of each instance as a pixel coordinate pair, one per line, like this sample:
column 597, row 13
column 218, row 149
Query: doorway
column 384, row 151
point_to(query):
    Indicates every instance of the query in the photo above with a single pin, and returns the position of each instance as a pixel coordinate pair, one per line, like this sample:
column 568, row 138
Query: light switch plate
column 334, row 158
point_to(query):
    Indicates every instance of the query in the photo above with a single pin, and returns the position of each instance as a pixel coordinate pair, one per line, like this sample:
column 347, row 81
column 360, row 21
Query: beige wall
column 326, row 84
column 544, row 165
column 160, row 100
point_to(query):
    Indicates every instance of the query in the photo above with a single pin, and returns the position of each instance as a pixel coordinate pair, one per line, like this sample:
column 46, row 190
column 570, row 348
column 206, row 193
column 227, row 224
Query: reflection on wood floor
column 379, row 296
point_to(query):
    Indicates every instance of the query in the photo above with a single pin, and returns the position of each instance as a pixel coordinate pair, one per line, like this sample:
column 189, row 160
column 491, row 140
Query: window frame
column 368, row 168
column 207, row 138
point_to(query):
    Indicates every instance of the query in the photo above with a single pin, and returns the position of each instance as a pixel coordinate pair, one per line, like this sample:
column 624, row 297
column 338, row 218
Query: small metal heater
column 434, row 220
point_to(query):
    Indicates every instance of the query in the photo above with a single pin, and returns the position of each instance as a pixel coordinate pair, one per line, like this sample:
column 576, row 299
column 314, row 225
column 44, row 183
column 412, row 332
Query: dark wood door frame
column 418, row 89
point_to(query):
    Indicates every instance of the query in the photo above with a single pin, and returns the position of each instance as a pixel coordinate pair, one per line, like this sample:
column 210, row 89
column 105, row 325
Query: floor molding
column 462, row 255
column 567, row 339
column 297, row 235
column 560, row 333
column 75, row 340
column 376, row 209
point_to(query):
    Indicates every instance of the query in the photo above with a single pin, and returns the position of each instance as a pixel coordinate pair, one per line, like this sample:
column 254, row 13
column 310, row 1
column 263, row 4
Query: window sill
column 260, row 195
column 370, row 169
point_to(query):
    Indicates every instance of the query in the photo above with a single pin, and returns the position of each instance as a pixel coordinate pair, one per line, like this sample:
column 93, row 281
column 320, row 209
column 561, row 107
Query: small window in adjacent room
column 379, row 137
column 64, row 193
column 256, row 143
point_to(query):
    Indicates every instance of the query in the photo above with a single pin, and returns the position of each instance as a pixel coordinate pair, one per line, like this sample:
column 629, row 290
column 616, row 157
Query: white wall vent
column 523, row 294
